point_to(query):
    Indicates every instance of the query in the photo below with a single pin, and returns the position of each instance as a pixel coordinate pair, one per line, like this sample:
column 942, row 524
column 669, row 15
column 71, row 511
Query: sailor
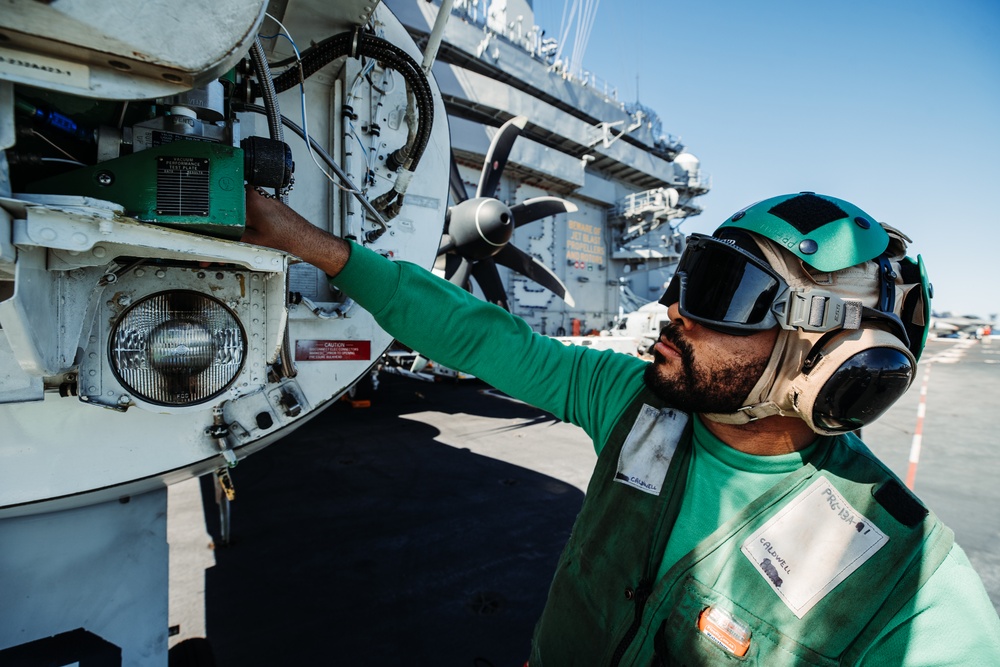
column 734, row 516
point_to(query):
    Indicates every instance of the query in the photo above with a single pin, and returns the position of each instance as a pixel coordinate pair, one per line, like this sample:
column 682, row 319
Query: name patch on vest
column 649, row 448
column 812, row 544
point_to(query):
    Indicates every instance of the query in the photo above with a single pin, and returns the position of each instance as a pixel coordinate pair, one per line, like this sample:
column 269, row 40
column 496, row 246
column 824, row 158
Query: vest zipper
column 642, row 592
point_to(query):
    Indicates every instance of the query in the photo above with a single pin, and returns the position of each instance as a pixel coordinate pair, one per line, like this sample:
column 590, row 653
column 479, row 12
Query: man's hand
column 270, row 223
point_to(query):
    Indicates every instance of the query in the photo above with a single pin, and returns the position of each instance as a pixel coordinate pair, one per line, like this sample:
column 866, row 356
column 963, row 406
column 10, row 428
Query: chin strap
column 760, row 402
column 746, row 414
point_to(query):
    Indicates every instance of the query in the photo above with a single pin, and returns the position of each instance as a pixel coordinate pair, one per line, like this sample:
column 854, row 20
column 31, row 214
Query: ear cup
column 851, row 378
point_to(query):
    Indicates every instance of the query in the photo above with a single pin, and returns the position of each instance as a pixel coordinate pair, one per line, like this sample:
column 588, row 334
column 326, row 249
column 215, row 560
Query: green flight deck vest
column 808, row 574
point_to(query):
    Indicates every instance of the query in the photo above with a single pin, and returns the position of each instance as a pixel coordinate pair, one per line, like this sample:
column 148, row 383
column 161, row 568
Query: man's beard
column 722, row 388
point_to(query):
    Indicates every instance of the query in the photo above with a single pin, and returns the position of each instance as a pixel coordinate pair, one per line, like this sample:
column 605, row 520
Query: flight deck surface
column 425, row 529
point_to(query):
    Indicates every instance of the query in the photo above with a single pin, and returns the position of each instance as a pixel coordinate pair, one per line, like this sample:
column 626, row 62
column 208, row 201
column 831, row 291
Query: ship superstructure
column 633, row 184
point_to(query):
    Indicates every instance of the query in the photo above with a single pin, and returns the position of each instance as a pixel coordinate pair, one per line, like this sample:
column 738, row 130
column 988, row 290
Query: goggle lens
column 717, row 284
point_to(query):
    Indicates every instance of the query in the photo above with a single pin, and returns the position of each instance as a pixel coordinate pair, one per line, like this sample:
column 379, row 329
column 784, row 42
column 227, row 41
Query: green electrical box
column 192, row 185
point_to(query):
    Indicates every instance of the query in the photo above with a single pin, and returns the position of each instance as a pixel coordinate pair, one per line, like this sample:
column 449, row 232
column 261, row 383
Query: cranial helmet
column 843, row 268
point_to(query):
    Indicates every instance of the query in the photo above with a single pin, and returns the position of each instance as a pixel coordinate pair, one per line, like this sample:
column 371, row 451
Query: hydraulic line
column 270, row 97
column 355, row 44
column 273, row 114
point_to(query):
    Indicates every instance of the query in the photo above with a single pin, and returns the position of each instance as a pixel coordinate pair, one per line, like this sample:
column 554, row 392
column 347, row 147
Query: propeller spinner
column 478, row 230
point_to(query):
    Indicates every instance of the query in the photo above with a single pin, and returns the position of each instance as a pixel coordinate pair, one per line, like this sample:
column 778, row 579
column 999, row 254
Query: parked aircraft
column 947, row 324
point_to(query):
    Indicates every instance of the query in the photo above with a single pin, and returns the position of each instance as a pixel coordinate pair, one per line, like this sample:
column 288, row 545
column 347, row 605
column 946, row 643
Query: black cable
column 349, row 186
column 319, row 55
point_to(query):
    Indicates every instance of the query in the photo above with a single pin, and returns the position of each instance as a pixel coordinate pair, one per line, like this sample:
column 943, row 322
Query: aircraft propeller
column 478, row 230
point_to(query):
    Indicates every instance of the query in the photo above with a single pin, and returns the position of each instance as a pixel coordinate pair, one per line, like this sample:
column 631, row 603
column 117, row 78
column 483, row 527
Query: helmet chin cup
column 850, row 378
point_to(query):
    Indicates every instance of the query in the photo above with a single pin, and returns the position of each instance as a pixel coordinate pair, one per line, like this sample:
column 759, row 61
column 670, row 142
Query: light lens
column 177, row 348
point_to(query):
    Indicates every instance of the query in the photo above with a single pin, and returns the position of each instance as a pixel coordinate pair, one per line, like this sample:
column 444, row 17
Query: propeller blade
column 419, row 363
column 488, row 278
column 520, row 261
column 447, row 244
column 540, row 207
column 456, row 270
column 496, row 156
column 441, row 263
column 456, row 183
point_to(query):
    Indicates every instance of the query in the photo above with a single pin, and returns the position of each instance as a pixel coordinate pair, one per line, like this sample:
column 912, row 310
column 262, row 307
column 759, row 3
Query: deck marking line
column 918, row 431
column 952, row 355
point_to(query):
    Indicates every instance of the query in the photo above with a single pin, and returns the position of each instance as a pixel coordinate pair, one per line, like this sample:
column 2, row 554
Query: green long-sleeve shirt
column 951, row 620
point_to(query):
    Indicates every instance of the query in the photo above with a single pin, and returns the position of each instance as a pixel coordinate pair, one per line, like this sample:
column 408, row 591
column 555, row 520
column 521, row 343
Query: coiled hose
column 355, row 44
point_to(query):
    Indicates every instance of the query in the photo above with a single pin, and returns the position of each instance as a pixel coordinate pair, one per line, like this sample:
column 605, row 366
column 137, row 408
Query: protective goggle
column 727, row 289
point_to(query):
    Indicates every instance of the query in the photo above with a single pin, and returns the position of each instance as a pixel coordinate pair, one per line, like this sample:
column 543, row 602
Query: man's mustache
column 672, row 334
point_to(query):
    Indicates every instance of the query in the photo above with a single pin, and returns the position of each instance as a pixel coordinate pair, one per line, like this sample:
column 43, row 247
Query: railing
column 533, row 42
column 663, row 200
column 637, row 203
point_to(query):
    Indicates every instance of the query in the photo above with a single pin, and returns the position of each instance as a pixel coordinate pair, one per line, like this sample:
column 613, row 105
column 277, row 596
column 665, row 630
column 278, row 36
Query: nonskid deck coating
column 425, row 529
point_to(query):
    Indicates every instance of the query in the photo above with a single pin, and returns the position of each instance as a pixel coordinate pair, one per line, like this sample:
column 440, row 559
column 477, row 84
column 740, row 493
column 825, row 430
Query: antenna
column 581, row 13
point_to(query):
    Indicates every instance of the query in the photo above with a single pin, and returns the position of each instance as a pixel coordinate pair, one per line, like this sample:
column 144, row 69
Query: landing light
column 177, row 348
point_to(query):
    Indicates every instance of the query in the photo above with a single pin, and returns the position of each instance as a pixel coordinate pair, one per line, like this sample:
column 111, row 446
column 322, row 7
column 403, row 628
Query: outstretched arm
column 451, row 326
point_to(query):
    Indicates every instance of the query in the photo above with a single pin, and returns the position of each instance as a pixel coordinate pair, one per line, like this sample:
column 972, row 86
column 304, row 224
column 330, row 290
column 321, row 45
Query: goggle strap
column 810, row 311
column 817, row 310
column 886, row 285
column 853, row 312
column 892, row 321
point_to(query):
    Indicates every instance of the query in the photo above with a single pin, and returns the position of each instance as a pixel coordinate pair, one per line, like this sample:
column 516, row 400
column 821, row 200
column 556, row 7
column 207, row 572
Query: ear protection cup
column 850, row 378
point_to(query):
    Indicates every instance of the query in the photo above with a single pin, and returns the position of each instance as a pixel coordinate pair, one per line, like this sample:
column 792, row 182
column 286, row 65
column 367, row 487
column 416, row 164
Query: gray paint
column 101, row 567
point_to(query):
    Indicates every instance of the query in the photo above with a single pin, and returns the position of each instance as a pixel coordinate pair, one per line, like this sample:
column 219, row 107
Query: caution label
column 333, row 350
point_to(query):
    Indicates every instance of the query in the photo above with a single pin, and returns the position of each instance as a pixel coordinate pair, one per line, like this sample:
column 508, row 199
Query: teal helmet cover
column 826, row 233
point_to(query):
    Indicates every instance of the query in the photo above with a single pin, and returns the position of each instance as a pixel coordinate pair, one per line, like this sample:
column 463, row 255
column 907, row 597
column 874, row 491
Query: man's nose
column 674, row 313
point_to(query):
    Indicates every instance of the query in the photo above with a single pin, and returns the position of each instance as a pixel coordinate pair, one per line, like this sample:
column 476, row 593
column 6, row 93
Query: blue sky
column 892, row 105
